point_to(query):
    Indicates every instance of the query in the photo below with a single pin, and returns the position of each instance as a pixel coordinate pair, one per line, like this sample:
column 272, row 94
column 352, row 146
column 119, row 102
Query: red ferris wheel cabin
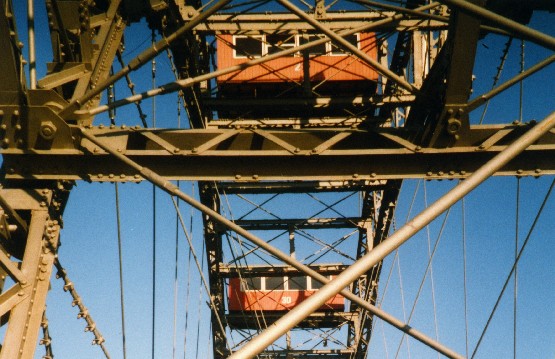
column 276, row 294
column 325, row 69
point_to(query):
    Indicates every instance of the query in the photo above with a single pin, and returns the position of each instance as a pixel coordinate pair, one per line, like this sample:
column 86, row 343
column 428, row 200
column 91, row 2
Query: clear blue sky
column 89, row 244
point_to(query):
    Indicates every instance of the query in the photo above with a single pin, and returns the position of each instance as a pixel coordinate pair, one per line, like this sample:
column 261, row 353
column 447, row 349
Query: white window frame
column 265, row 46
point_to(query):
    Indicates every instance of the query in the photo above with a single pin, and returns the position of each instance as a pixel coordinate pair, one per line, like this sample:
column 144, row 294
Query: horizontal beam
column 293, row 155
column 283, row 22
column 337, row 123
column 300, row 187
column 318, row 102
column 247, row 320
column 311, row 223
column 308, row 354
column 228, row 271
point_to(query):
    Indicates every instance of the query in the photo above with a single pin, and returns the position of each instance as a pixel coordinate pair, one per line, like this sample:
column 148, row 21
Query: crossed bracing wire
column 260, row 207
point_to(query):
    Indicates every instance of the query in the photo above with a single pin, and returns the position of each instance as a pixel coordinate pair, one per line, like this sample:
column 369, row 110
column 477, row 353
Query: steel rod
column 346, row 45
column 507, row 24
column 173, row 190
column 361, row 266
column 479, row 101
column 426, row 16
column 32, row 50
column 188, row 82
column 141, row 59
column 404, row 10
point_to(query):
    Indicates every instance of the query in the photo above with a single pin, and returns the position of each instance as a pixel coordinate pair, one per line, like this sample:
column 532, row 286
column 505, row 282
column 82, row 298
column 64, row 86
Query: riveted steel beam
column 363, row 155
column 173, row 190
column 283, row 22
column 24, row 302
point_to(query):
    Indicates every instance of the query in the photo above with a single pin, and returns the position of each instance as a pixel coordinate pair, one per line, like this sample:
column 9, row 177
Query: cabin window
column 280, row 42
column 275, row 283
column 314, row 50
column 352, row 39
column 315, row 285
column 247, row 46
column 254, row 283
column 267, row 44
column 297, row 283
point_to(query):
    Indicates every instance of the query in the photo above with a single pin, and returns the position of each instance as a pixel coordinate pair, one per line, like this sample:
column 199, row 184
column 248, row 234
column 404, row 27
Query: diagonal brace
column 339, row 40
column 312, row 303
column 173, row 190
column 188, row 82
column 507, row 24
column 140, row 60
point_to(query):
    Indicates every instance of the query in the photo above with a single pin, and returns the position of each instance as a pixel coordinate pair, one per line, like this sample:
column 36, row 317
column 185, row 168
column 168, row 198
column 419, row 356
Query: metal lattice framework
column 417, row 124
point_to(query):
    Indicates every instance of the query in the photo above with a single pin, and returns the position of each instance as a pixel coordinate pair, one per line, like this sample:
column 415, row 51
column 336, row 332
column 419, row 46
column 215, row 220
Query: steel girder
column 213, row 238
column 356, row 319
column 31, row 210
column 265, row 154
column 39, row 147
column 27, row 258
column 379, row 208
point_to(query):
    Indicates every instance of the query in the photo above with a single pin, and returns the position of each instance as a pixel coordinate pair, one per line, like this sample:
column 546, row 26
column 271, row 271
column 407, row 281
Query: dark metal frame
column 45, row 145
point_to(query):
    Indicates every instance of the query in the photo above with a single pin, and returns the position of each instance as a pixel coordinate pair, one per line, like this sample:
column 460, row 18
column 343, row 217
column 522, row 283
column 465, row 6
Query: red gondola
column 276, row 294
column 328, row 68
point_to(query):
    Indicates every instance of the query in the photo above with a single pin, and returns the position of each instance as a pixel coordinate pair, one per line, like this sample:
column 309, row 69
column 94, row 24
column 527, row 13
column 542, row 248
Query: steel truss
column 356, row 318
column 48, row 141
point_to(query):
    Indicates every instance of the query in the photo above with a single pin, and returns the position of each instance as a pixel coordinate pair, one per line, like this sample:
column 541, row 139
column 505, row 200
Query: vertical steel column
column 361, row 285
column 378, row 208
column 11, row 66
column 213, row 239
column 25, row 301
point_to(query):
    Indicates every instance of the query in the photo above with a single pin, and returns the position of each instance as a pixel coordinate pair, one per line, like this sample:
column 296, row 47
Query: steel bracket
column 36, row 128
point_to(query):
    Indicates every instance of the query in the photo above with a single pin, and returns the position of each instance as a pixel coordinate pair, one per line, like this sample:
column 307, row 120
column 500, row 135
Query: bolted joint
column 98, row 341
column 68, row 286
column 453, row 126
column 83, row 314
column 48, row 130
column 90, row 328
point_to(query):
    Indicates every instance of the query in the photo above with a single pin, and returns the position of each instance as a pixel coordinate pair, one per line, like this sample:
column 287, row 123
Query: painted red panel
column 274, row 300
column 290, row 69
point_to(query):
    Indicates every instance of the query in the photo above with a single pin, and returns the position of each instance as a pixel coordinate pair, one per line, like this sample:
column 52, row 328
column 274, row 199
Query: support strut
column 335, row 286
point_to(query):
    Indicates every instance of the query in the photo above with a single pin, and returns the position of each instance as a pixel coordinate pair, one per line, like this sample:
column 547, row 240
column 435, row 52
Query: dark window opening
column 315, row 284
column 352, row 39
column 248, row 47
column 314, row 50
column 275, row 283
column 297, row 283
column 254, row 283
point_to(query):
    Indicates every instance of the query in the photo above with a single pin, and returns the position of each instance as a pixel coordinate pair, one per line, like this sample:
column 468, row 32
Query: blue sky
column 89, row 244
